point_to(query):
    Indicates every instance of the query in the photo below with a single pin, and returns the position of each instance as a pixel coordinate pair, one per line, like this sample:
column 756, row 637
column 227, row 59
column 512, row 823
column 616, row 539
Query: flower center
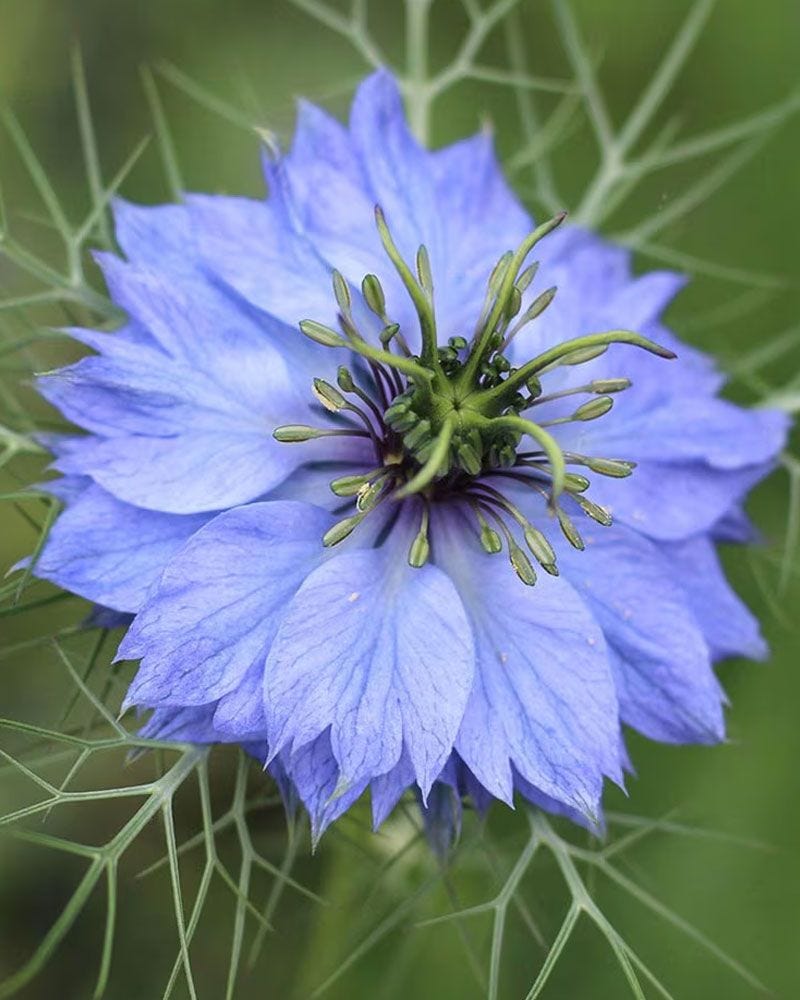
column 456, row 421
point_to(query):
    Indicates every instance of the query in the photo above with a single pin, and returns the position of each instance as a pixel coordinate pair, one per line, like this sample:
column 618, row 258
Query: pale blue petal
column 219, row 602
column 729, row 627
column 110, row 552
column 314, row 772
column 387, row 661
column 543, row 699
column 665, row 684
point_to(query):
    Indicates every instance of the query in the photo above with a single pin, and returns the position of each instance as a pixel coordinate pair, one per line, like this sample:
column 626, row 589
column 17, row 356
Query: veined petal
column 314, row 772
column 543, row 698
column 669, row 501
column 219, row 602
column 730, row 629
column 388, row 662
column 111, row 552
column 396, row 167
column 686, row 429
column 662, row 664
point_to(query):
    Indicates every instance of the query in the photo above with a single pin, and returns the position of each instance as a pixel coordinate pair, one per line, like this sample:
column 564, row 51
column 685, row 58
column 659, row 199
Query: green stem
column 417, row 43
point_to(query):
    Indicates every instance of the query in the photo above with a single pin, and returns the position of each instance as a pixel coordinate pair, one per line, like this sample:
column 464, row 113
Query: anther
column 297, row 433
column 420, row 548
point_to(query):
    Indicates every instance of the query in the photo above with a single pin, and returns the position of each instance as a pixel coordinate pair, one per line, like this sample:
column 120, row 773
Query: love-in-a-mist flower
column 453, row 534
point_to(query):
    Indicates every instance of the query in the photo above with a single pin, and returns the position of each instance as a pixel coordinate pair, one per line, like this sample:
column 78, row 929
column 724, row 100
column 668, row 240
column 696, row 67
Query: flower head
column 452, row 537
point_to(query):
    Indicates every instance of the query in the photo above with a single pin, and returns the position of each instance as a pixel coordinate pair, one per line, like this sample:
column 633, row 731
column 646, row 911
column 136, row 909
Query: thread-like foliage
column 50, row 762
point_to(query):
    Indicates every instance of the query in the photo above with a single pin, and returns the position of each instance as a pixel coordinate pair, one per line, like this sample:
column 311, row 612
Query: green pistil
column 443, row 422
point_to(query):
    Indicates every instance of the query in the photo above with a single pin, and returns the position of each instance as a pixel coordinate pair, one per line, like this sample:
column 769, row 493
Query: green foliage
column 393, row 883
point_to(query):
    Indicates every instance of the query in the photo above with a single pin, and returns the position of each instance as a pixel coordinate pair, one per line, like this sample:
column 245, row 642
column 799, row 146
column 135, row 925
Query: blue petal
column 441, row 816
column 662, row 666
column 669, row 502
column 396, row 167
column 219, row 602
column 688, row 429
column 382, row 654
column 189, row 725
column 537, row 798
column 470, row 189
column 183, row 436
column 155, row 234
column 728, row 626
column 239, row 716
column 387, row 789
column 543, row 699
column 246, row 243
column 110, row 552
column 314, row 772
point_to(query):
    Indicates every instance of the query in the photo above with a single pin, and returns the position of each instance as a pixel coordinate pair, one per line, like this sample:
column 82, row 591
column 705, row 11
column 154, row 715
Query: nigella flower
column 454, row 536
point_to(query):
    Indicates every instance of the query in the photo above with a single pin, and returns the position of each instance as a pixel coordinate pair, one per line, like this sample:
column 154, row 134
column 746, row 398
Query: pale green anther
column 499, row 271
column 369, row 494
column 501, row 363
column 542, row 549
column 457, row 343
column 490, row 540
column 610, row 467
column 571, row 533
column 468, row 458
column 534, row 386
column 581, row 355
column 522, row 564
column 514, row 303
column 420, row 547
column 388, row 333
column 341, row 530
column 507, row 456
column 523, row 282
column 576, row 483
column 418, row 435
column 610, row 384
column 372, row 291
column 322, row 334
column 424, row 271
column 402, row 422
column 348, row 486
column 594, row 511
column 341, row 291
column 399, row 408
column 419, row 551
column 296, row 433
column 448, row 354
column 345, row 379
column 594, row 408
column 330, row 398
column 536, row 308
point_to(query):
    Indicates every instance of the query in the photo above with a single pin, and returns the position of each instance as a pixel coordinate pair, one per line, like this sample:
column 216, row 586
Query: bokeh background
column 253, row 56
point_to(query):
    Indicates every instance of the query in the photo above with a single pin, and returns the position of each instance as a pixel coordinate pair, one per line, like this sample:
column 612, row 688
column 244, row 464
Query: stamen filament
column 297, row 433
column 357, row 343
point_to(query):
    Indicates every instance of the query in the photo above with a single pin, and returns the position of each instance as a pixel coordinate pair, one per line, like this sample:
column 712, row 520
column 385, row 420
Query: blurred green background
column 254, row 55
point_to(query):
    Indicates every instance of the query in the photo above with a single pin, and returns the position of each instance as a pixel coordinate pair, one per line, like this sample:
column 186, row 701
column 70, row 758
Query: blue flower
column 330, row 542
